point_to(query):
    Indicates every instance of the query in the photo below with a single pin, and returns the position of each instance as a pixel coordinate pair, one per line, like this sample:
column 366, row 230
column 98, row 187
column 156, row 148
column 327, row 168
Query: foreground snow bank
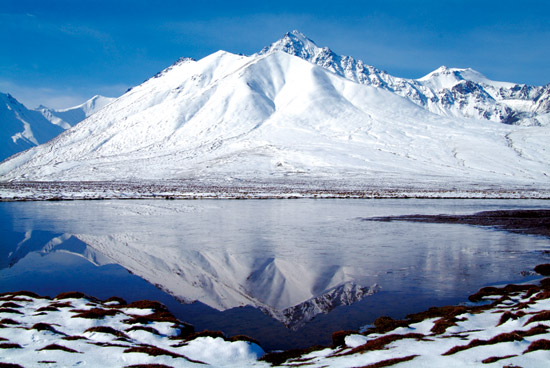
column 73, row 329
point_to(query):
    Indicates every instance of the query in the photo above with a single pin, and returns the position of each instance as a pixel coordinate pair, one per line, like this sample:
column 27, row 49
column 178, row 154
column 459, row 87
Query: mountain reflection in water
column 292, row 259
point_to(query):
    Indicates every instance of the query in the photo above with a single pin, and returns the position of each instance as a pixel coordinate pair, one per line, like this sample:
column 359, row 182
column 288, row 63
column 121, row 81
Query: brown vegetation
column 21, row 293
column 538, row 345
column 154, row 351
column 73, row 338
column 506, row 316
column 205, row 333
column 8, row 345
column 541, row 316
column 496, row 359
column 10, row 305
column 72, row 295
column 59, row 347
column 385, row 324
column 61, row 305
column 143, row 328
column 9, row 365
column 44, row 327
column 116, row 299
column 278, row 358
column 543, row 269
column 244, row 338
column 390, row 362
column 107, row 330
column 94, row 313
column 381, row 343
column 48, row 308
column 339, row 338
column 503, row 337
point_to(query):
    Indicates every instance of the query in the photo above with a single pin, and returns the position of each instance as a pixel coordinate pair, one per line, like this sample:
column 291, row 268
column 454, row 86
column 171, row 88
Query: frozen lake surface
column 285, row 272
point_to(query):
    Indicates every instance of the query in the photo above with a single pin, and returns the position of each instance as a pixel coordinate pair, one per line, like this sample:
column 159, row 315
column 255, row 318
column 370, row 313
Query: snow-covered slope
column 445, row 91
column 69, row 117
column 21, row 128
column 274, row 115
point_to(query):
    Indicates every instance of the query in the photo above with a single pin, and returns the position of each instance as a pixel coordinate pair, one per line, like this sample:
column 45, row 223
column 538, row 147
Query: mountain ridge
column 476, row 95
column 24, row 128
column 274, row 115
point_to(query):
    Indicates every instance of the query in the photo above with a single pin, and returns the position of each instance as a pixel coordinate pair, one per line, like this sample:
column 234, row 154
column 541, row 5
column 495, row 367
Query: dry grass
column 29, row 294
column 278, row 358
column 48, row 308
column 44, row 327
column 72, row 295
column 386, row 324
column 543, row 269
column 503, row 337
column 10, row 305
column 538, row 345
column 94, row 313
column 61, row 305
column 9, row 365
column 143, row 328
column 59, row 347
column 541, row 316
column 154, row 351
column 205, row 333
column 390, row 362
column 73, row 338
column 107, row 330
column 244, row 338
column 381, row 343
column 506, row 316
column 116, row 299
column 339, row 337
column 8, row 321
column 496, row 359
column 8, row 345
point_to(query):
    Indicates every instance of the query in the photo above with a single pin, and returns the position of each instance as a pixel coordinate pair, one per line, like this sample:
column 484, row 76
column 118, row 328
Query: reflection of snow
column 292, row 259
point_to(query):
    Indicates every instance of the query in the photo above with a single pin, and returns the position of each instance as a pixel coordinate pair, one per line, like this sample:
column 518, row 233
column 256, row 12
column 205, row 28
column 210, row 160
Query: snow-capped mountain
column 445, row 91
column 22, row 128
column 275, row 115
column 69, row 117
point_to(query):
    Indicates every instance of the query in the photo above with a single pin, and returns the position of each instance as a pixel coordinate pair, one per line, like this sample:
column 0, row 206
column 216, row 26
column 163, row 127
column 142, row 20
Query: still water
column 285, row 272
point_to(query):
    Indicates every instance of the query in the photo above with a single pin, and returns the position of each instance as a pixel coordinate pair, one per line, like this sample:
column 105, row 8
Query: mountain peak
column 293, row 43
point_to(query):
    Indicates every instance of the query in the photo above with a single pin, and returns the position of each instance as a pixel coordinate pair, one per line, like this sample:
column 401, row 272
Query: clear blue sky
column 62, row 52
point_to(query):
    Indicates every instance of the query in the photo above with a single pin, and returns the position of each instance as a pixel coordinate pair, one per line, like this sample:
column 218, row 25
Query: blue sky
column 62, row 52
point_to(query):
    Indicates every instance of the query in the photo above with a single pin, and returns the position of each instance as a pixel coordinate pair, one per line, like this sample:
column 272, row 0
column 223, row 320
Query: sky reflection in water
column 293, row 259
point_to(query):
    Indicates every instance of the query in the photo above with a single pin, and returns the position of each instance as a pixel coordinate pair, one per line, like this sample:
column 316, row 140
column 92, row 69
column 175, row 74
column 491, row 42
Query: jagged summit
column 459, row 92
column 294, row 43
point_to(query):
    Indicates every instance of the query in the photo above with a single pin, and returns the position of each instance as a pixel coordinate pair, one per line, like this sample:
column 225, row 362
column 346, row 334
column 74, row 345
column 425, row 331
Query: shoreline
column 276, row 189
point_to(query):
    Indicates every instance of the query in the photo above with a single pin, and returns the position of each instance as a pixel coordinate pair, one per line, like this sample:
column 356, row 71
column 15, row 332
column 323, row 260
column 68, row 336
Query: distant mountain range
column 301, row 111
column 445, row 91
column 23, row 128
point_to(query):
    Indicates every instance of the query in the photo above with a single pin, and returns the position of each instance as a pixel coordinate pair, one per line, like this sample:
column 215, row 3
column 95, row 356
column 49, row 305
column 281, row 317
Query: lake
column 285, row 272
